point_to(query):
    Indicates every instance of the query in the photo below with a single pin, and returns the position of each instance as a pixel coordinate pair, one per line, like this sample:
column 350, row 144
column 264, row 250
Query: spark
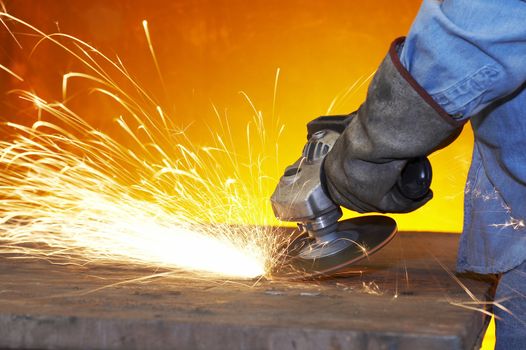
column 349, row 91
column 74, row 194
column 152, row 52
column 11, row 72
column 371, row 288
column 473, row 303
column 516, row 224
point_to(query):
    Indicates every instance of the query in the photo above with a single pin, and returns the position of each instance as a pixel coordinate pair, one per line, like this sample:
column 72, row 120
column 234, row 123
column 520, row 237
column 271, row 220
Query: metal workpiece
column 403, row 298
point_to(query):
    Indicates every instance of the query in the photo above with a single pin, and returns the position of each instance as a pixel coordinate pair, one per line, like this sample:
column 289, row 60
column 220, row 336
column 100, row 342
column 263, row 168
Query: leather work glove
column 398, row 121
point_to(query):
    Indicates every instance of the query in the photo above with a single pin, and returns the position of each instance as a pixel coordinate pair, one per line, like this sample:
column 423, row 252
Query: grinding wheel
column 353, row 240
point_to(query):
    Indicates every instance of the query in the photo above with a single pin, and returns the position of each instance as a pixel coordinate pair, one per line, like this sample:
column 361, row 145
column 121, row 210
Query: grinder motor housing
column 300, row 195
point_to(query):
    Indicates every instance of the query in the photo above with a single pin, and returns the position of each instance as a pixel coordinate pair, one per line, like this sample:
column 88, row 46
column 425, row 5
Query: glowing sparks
column 97, row 227
column 152, row 51
column 74, row 194
column 516, row 224
column 11, row 72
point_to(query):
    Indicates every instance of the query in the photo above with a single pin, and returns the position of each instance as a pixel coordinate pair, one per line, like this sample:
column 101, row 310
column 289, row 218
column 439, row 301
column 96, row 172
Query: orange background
column 209, row 50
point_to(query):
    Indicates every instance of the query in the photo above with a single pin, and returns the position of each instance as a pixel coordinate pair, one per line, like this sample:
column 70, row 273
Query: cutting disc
column 353, row 240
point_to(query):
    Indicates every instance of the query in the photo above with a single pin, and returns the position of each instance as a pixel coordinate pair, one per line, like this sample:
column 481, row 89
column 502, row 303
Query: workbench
column 406, row 297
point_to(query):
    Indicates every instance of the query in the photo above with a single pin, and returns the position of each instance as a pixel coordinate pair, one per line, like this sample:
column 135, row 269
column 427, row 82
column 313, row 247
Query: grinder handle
column 415, row 179
column 336, row 123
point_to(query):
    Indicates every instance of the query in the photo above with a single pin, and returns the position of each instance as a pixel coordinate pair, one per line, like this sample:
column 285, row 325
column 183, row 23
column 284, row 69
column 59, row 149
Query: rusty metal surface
column 405, row 299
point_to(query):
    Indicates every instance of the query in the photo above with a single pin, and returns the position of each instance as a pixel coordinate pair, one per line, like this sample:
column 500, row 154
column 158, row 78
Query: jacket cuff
column 396, row 45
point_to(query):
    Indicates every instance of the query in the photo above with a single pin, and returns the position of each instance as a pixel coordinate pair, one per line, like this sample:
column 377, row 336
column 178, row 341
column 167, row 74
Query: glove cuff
column 395, row 47
column 398, row 121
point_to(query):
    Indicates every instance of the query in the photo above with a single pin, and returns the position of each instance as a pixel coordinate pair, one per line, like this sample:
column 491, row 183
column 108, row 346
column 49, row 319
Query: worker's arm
column 460, row 56
column 467, row 53
column 397, row 122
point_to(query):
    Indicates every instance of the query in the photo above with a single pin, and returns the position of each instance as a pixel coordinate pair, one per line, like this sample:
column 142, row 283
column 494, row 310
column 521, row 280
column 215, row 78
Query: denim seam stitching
column 474, row 89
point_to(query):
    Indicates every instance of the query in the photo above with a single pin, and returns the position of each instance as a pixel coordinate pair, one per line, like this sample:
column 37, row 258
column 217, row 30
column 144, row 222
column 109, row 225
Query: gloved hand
column 398, row 121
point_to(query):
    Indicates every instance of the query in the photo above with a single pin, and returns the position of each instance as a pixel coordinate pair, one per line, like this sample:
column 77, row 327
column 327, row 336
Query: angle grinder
column 324, row 245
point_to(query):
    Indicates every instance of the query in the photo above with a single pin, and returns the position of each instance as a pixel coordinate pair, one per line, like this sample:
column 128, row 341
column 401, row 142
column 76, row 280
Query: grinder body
column 328, row 245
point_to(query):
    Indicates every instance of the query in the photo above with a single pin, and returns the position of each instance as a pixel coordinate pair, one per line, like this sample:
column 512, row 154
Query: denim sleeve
column 468, row 53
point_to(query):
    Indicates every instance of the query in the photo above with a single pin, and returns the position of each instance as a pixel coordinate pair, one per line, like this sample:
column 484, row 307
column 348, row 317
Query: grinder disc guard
column 353, row 240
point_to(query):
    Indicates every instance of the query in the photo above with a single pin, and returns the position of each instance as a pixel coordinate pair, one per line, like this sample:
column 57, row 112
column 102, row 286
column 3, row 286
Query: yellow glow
column 208, row 51
column 102, row 228
column 144, row 147
column 324, row 53
column 73, row 194
column 488, row 342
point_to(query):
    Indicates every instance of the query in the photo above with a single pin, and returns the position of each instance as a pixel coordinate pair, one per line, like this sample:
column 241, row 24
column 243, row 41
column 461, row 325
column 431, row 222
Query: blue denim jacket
column 470, row 56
